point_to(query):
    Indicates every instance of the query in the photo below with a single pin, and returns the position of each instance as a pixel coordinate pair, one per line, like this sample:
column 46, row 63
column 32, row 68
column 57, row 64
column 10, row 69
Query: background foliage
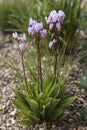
column 16, row 13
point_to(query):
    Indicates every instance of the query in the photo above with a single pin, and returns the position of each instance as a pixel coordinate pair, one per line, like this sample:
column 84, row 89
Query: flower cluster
column 22, row 38
column 35, row 27
column 55, row 19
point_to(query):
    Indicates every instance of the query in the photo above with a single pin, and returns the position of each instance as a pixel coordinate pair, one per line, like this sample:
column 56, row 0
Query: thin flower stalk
column 40, row 80
column 37, row 31
column 23, row 66
column 56, row 55
column 55, row 20
column 55, row 64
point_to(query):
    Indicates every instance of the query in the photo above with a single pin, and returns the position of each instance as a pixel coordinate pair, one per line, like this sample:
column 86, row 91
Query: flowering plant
column 42, row 99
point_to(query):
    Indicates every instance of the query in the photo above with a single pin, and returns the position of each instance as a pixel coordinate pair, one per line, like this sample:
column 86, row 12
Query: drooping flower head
column 58, row 26
column 43, row 33
column 21, row 38
column 54, row 16
column 55, row 19
column 36, row 27
column 31, row 31
column 61, row 16
column 32, row 22
column 15, row 35
column 51, row 26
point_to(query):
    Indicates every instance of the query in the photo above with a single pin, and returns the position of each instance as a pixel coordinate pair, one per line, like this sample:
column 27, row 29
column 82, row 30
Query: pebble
column 13, row 112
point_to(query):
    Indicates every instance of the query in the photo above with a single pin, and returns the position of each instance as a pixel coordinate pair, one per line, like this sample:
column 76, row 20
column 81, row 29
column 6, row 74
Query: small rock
column 41, row 128
column 13, row 112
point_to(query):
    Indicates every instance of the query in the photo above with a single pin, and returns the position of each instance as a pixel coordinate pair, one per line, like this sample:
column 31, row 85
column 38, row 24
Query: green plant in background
column 8, row 8
column 5, row 7
column 4, row 14
column 19, row 15
column 42, row 97
column 83, row 82
column 82, row 118
column 73, row 10
column 83, row 38
column 20, row 10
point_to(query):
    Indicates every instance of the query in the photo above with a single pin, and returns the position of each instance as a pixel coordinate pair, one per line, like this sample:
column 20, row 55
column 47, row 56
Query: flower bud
column 54, row 16
column 21, row 47
column 51, row 43
column 61, row 16
column 38, row 27
column 58, row 26
column 32, row 22
column 51, row 26
column 31, row 31
column 15, row 35
column 23, row 38
column 43, row 33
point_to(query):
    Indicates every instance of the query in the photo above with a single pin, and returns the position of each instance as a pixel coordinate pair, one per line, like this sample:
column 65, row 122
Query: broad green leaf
column 54, row 91
column 32, row 89
column 82, row 84
column 66, row 102
column 25, row 111
column 60, row 117
column 54, row 114
column 21, row 115
column 42, row 113
column 40, row 96
column 48, row 82
column 62, row 91
column 33, row 105
column 47, row 100
column 48, row 87
column 21, row 106
column 34, row 117
column 26, row 122
column 21, row 97
column 45, row 105
column 53, row 105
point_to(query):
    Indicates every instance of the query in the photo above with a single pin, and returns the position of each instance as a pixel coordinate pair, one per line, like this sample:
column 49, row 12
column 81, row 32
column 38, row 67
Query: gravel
column 7, row 109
